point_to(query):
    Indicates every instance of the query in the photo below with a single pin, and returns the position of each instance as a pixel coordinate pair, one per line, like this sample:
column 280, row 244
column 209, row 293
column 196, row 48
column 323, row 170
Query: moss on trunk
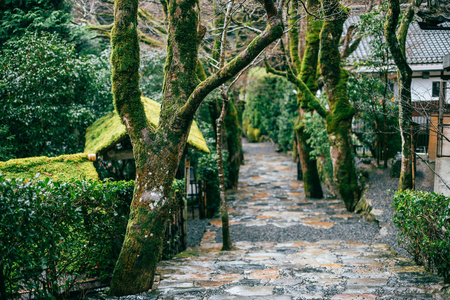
column 341, row 111
column 158, row 150
column 306, row 70
column 311, row 179
column 397, row 45
column 234, row 145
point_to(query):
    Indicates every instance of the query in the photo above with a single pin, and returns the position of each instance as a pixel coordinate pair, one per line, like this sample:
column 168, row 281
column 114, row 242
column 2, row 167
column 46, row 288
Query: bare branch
column 247, row 26
column 347, row 39
column 312, row 100
column 273, row 31
column 435, row 173
column 308, row 12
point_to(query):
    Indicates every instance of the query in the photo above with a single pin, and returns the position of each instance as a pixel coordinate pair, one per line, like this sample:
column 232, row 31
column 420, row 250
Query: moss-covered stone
column 109, row 130
column 61, row 168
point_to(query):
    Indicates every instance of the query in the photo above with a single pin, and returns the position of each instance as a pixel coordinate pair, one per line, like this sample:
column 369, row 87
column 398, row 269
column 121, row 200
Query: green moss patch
column 109, row 130
column 186, row 254
column 61, row 168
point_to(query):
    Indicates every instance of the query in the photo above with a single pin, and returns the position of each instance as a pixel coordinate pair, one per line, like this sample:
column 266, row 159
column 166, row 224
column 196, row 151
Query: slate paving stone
column 288, row 246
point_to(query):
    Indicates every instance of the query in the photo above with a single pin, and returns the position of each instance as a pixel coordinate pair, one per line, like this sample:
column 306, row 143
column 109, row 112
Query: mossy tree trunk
column 341, row 111
column 226, row 238
column 213, row 105
column 231, row 127
column 397, row 44
column 305, row 71
column 157, row 151
column 234, row 144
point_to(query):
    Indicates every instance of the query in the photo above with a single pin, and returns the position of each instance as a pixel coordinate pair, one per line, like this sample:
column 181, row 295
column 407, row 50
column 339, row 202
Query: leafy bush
column 33, row 15
column 315, row 126
column 55, row 233
column 270, row 108
column 377, row 115
column 49, row 95
column 207, row 171
column 424, row 221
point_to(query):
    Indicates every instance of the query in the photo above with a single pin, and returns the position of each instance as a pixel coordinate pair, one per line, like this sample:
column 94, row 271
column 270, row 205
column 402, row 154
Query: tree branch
column 405, row 22
column 269, row 69
column 293, row 36
column 390, row 29
column 435, row 173
column 254, row 62
column 105, row 30
column 347, row 41
column 308, row 12
column 246, row 26
column 273, row 31
column 310, row 98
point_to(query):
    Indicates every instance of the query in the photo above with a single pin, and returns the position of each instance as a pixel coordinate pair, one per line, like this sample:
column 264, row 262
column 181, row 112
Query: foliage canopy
column 48, row 96
column 18, row 16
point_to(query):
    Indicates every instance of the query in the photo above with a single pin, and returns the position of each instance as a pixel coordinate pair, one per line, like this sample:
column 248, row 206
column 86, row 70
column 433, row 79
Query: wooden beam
column 118, row 154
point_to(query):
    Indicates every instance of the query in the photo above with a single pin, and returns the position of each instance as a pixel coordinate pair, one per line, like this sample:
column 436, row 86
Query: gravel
column 195, row 231
column 361, row 232
column 380, row 192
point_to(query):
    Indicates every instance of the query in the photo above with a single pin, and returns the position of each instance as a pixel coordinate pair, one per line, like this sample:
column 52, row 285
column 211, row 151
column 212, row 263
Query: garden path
column 290, row 247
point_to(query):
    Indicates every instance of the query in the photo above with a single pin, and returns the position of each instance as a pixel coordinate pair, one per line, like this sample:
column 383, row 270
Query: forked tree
column 158, row 150
column 396, row 40
column 322, row 44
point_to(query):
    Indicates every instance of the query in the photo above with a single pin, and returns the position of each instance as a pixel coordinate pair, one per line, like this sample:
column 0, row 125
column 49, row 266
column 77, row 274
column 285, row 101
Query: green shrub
column 49, row 95
column 270, row 109
column 253, row 134
column 316, row 128
column 396, row 169
column 424, row 221
column 207, row 171
column 38, row 16
column 59, row 232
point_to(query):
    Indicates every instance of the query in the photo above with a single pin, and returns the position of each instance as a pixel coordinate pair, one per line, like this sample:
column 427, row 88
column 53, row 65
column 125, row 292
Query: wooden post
column 299, row 166
column 205, row 200
column 440, row 139
column 201, row 203
column 185, row 204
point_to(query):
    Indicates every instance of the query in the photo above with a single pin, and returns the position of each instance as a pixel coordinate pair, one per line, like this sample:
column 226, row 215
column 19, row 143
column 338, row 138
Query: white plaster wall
column 421, row 90
column 443, row 169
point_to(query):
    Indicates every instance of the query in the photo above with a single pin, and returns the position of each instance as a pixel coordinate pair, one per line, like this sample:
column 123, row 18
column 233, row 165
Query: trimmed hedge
column 424, row 221
column 53, row 234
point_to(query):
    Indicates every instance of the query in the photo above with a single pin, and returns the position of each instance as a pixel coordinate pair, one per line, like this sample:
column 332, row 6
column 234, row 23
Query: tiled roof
column 422, row 46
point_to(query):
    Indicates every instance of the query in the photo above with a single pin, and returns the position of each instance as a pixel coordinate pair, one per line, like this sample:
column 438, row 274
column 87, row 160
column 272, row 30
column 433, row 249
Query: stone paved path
column 270, row 201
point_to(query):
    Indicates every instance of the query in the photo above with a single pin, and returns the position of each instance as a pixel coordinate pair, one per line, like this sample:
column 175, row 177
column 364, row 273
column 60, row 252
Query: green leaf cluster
column 270, row 108
column 49, row 96
column 424, row 222
column 316, row 128
column 53, row 234
column 375, row 110
column 19, row 16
